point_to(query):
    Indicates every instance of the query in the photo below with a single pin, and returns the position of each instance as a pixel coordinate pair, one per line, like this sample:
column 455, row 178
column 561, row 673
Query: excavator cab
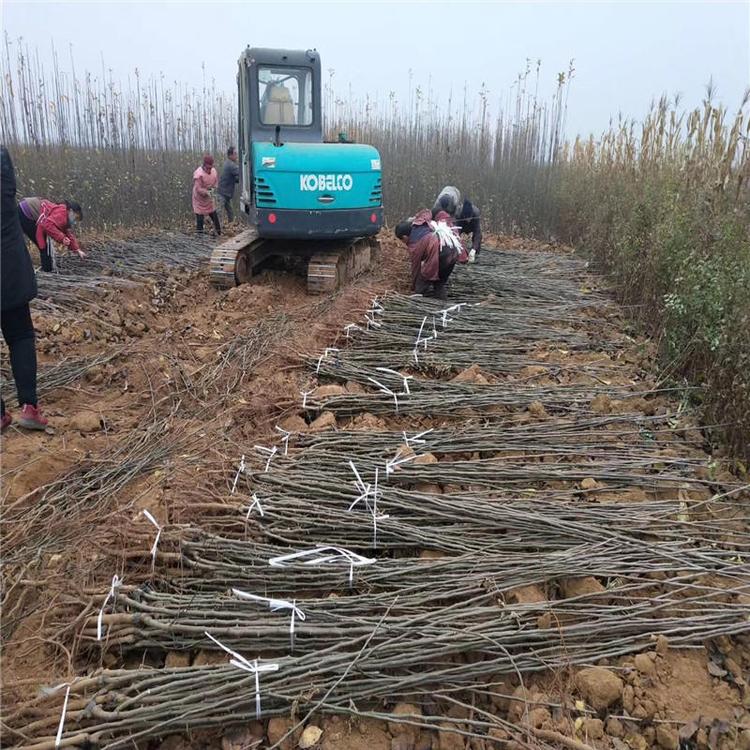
column 299, row 195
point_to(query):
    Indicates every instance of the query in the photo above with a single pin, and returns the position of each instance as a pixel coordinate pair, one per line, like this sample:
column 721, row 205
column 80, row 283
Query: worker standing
column 230, row 176
column 434, row 249
column 18, row 288
column 205, row 180
column 45, row 222
column 465, row 215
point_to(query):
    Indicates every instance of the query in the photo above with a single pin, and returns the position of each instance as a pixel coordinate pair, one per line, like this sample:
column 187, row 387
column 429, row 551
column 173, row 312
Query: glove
column 472, row 255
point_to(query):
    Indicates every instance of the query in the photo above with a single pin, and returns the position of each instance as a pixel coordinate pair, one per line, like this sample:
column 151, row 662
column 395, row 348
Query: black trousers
column 46, row 253
column 18, row 332
column 227, row 203
column 200, row 218
column 438, row 288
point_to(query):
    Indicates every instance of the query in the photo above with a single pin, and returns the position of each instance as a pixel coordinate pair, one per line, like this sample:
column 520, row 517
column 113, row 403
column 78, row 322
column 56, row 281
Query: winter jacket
column 230, row 176
column 53, row 222
column 468, row 222
column 425, row 247
column 203, row 182
column 17, row 277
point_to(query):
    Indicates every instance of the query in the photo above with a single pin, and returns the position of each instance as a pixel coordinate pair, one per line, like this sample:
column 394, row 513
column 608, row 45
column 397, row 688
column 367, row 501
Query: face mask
column 71, row 219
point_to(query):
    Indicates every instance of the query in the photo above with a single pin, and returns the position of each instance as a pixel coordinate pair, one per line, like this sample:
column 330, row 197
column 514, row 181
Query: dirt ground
column 164, row 363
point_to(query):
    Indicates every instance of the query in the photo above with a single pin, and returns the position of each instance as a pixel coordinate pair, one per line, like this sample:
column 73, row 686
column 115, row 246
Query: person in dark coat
column 465, row 215
column 230, row 176
column 17, row 289
column 433, row 251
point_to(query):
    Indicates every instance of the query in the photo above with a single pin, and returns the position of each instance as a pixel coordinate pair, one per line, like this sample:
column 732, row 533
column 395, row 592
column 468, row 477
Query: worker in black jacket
column 17, row 289
column 465, row 216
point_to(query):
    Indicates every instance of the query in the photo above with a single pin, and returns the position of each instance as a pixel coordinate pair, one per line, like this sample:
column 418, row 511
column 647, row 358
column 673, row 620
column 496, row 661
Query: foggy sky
column 625, row 53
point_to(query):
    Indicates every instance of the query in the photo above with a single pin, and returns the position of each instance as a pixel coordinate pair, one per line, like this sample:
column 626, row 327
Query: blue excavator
column 302, row 198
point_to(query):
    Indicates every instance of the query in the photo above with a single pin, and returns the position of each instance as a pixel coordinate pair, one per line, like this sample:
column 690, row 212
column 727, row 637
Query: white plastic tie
column 240, row 470
column 351, row 327
column 253, row 505
column 327, row 555
column 386, row 390
column 58, row 736
column 446, row 234
column 364, row 496
column 360, row 485
column 254, row 667
column 404, row 378
column 116, row 583
column 392, row 464
column 324, row 355
column 275, row 605
column 304, row 395
column 158, row 536
column 416, row 439
column 371, row 321
column 285, row 435
column 270, row 452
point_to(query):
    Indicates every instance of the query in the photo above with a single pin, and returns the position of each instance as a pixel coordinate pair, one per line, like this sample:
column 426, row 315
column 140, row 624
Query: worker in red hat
column 205, row 180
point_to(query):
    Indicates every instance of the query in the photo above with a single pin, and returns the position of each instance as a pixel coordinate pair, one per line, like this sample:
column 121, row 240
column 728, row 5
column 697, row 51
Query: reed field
column 662, row 207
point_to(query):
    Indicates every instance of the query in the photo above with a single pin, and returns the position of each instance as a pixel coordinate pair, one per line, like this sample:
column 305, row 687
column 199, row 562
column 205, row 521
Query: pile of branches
column 139, row 258
column 375, row 566
column 120, row 264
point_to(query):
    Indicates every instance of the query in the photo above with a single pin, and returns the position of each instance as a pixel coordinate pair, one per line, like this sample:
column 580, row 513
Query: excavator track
column 233, row 262
column 327, row 271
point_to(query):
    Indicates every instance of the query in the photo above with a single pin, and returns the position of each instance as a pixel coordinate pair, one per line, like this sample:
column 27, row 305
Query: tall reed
column 663, row 206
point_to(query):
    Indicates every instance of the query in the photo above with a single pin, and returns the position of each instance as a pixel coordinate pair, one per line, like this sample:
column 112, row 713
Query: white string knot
column 367, row 491
column 392, row 464
column 254, row 668
column 323, row 555
column 253, row 505
column 351, row 327
column 276, row 605
column 404, row 379
column 304, row 395
column 416, row 439
column 111, row 594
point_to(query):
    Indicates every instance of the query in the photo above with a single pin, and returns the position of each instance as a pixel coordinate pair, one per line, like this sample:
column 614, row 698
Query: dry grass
column 662, row 207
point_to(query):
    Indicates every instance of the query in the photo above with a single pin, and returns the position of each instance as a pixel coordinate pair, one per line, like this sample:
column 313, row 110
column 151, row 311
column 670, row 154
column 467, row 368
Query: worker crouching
column 465, row 215
column 434, row 250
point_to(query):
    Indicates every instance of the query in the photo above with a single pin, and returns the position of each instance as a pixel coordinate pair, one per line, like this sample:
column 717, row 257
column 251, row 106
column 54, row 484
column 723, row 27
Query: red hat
column 208, row 160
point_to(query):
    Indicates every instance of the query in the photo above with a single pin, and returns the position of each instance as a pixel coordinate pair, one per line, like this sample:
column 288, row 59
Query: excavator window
column 285, row 95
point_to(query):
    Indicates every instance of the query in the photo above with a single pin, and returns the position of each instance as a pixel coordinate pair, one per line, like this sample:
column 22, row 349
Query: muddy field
column 528, row 541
